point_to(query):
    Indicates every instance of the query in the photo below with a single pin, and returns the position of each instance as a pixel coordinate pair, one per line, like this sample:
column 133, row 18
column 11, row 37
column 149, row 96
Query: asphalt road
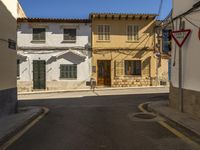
column 97, row 123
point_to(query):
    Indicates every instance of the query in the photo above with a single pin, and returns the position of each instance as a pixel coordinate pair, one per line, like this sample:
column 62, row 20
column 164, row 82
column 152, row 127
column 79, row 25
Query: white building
column 9, row 11
column 53, row 54
column 190, row 101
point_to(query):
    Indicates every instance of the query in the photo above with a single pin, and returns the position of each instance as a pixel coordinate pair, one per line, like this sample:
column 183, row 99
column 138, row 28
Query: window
column 69, row 34
column 39, row 34
column 132, row 67
column 18, row 67
column 167, row 41
column 133, row 32
column 103, row 32
column 68, row 71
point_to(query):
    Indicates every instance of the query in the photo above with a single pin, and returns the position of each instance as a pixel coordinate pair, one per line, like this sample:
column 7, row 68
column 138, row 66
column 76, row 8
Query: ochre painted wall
column 118, row 48
column 118, row 33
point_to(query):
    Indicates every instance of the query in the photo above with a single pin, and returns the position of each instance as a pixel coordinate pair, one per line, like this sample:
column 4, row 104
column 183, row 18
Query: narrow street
column 97, row 123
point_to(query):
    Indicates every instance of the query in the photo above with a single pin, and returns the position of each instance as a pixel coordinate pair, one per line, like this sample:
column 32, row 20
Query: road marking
column 24, row 130
column 171, row 129
column 141, row 108
column 179, row 134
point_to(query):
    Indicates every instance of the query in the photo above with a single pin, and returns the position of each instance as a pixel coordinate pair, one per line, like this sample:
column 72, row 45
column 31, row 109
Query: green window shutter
column 18, row 68
column 70, row 34
column 39, row 34
column 68, row 71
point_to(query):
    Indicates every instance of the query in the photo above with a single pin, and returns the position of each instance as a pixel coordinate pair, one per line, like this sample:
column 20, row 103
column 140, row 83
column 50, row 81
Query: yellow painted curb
column 171, row 129
column 24, row 130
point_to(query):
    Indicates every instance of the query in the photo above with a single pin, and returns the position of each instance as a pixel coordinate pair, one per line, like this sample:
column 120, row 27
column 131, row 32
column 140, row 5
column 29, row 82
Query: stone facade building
column 53, row 54
column 123, row 48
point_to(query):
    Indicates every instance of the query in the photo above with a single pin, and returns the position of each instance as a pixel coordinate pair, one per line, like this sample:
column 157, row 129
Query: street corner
column 14, row 126
column 184, row 120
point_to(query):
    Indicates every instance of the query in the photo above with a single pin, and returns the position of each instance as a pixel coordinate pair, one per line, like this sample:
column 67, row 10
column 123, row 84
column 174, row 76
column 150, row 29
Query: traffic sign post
column 180, row 37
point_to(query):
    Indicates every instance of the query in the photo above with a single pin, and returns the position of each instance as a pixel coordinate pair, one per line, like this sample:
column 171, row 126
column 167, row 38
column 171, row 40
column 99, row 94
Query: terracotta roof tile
column 57, row 20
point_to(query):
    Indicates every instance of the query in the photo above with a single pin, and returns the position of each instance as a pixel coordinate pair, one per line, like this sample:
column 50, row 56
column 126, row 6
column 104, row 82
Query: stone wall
column 191, row 101
column 133, row 82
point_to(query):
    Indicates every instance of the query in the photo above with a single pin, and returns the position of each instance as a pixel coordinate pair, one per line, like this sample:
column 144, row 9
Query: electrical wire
column 160, row 8
column 3, row 40
column 192, row 23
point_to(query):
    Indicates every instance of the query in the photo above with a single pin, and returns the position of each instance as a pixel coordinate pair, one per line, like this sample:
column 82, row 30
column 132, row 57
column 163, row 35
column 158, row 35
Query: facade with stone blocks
column 123, row 47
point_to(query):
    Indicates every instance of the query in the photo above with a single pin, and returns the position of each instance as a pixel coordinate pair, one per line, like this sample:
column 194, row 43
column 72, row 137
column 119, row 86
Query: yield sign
column 180, row 36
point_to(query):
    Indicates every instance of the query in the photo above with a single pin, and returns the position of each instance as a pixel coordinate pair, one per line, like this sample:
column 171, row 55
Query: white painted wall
column 52, row 68
column 54, row 38
column 191, row 48
column 8, row 14
column 54, row 35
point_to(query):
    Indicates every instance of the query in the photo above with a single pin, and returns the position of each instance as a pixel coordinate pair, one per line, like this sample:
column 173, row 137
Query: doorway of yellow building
column 104, row 73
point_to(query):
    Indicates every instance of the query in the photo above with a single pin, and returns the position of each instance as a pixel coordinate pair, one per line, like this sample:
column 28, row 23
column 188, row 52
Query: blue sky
column 81, row 8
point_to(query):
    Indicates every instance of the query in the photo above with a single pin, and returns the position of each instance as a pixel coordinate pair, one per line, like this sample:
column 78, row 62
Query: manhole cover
column 145, row 116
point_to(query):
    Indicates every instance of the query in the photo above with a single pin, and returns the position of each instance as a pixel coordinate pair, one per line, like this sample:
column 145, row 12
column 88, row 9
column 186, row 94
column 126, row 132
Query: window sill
column 132, row 75
column 103, row 41
column 38, row 41
column 68, row 79
column 132, row 41
column 69, row 41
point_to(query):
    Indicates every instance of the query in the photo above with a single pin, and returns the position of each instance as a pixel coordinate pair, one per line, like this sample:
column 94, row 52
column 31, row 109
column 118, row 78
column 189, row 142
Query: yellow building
column 123, row 49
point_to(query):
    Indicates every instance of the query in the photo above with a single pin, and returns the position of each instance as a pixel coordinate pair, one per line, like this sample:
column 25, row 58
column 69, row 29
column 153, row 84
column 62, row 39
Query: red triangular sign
column 180, row 36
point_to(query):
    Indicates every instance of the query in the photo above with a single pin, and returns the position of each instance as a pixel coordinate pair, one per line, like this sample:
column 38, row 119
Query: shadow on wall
column 146, row 25
column 146, row 62
column 75, row 59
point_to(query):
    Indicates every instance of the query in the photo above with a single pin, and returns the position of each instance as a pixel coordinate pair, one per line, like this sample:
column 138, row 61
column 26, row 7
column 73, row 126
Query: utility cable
column 160, row 8
column 192, row 23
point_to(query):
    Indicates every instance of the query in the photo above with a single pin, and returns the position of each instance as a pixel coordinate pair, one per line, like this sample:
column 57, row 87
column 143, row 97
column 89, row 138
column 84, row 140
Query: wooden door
column 39, row 74
column 104, row 72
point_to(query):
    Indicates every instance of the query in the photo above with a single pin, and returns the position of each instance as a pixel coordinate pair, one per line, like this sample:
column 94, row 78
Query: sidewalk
column 183, row 119
column 87, row 90
column 13, row 124
column 87, row 93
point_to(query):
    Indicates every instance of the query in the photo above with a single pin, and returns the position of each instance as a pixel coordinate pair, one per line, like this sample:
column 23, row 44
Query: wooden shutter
column 70, row 34
column 130, row 32
column 107, row 32
column 136, row 32
column 39, row 34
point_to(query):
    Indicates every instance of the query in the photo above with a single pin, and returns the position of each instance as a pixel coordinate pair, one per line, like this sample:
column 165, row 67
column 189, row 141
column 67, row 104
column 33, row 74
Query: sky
column 82, row 8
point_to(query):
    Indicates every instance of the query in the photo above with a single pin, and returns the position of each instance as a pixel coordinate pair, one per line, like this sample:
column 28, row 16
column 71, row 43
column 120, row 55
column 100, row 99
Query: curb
column 10, row 138
column 185, row 137
column 188, row 129
column 87, row 90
